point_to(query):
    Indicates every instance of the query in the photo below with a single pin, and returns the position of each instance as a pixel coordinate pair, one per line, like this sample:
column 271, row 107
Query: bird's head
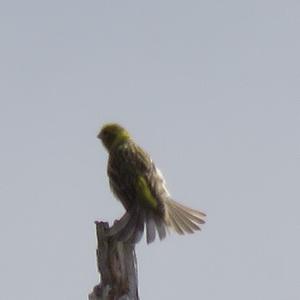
column 112, row 135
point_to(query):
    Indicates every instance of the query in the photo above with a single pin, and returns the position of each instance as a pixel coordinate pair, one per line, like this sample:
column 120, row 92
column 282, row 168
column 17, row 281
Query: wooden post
column 118, row 268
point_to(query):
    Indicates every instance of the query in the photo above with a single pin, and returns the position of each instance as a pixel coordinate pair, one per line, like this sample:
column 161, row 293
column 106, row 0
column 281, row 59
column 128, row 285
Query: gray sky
column 210, row 88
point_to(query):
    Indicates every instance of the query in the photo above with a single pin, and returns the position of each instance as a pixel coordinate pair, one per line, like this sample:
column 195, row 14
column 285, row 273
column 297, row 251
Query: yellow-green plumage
column 139, row 185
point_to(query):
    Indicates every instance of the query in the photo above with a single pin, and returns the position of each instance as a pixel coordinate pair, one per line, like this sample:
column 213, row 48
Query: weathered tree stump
column 117, row 266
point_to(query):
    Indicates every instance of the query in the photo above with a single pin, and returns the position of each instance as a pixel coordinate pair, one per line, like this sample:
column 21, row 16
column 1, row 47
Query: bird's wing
column 144, row 193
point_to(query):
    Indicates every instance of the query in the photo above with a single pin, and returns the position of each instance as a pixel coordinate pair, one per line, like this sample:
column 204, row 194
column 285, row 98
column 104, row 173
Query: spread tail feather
column 130, row 227
column 150, row 231
column 160, row 226
column 183, row 219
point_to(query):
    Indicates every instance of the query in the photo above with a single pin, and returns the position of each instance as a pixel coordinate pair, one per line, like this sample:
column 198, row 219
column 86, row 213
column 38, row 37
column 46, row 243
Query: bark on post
column 118, row 268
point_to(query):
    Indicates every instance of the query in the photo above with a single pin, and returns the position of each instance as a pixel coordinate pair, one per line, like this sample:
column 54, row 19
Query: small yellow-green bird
column 140, row 186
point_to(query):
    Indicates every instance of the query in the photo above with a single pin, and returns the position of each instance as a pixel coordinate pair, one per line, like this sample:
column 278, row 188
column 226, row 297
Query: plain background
column 210, row 88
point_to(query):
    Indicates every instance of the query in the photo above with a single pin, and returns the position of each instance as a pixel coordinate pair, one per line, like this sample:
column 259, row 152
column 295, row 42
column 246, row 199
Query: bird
column 141, row 188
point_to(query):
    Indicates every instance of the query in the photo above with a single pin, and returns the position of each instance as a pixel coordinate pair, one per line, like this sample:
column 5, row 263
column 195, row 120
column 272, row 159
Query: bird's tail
column 130, row 227
column 183, row 219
